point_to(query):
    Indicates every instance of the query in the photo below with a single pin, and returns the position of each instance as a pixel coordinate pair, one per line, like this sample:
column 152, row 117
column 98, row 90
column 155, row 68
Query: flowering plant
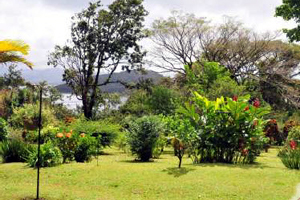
column 228, row 130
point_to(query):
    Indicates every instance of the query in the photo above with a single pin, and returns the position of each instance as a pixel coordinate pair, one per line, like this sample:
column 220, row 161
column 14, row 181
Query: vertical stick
column 39, row 146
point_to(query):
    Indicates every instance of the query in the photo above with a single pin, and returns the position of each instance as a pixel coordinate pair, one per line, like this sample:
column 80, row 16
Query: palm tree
column 13, row 51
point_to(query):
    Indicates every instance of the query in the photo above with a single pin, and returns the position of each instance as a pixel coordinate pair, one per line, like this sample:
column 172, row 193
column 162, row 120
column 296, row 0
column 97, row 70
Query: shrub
column 159, row 146
column 143, row 135
column 14, row 151
column 272, row 132
column 85, row 148
column 27, row 117
column 3, row 129
column 290, row 157
column 67, row 142
column 49, row 156
column 227, row 130
column 104, row 131
column 47, row 134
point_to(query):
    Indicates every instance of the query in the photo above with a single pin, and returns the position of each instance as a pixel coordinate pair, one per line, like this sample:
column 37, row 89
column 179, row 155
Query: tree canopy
column 102, row 40
column 290, row 10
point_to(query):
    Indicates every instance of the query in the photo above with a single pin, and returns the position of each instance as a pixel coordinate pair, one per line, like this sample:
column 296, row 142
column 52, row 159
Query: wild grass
column 118, row 177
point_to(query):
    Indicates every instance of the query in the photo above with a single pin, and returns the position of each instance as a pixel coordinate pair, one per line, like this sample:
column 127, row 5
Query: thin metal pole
column 39, row 145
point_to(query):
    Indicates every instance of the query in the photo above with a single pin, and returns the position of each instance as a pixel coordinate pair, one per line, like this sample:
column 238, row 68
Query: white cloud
column 44, row 23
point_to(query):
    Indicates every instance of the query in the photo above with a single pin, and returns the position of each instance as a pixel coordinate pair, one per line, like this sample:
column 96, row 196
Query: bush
column 67, row 143
column 14, row 151
column 3, row 129
column 290, row 158
column 272, row 132
column 159, row 146
column 85, row 148
column 49, row 156
column 228, row 131
column 27, row 117
column 142, row 136
column 104, row 131
column 47, row 134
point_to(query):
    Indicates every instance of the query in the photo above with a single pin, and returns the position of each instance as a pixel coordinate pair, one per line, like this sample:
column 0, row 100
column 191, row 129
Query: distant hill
column 134, row 76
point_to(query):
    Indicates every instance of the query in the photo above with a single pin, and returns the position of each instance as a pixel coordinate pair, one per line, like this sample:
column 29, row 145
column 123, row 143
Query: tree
column 13, row 78
column 102, row 40
column 10, row 51
column 176, row 41
column 289, row 10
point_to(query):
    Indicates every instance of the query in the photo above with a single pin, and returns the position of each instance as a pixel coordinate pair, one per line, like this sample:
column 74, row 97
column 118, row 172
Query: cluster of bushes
column 78, row 140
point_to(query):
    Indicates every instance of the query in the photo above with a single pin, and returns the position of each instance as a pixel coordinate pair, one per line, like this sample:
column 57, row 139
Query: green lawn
column 118, row 177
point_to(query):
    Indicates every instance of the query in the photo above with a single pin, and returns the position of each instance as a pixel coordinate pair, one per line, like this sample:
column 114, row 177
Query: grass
column 118, row 177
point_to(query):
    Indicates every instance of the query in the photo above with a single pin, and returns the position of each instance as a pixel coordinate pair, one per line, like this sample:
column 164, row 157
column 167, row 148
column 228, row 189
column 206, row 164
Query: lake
column 71, row 102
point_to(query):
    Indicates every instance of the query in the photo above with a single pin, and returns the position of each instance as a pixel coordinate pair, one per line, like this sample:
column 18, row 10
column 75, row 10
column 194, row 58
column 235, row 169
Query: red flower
column 273, row 121
column 234, row 98
column 247, row 108
column 293, row 144
column 245, row 152
column 256, row 103
column 68, row 135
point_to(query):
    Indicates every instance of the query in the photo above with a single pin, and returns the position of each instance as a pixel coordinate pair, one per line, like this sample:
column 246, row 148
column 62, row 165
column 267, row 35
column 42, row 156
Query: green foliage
column 290, row 153
column 47, row 134
column 137, row 104
column 67, row 143
column 227, row 130
column 289, row 10
column 101, row 40
column 14, row 151
column 159, row 146
column 143, row 134
column 105, row 131
column 290, row 158
column 163, row 100
column 294, row 134
column 225, row 87
column 27, row 117
column 85, row 149
column 49, row 156
column 203, row 74
column 3, row 129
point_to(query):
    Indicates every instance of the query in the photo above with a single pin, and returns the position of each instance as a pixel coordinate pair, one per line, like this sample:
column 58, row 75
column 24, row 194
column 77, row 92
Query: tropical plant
column 14, row 150
column 10, row 51
column 49, row 156
column 228, row 130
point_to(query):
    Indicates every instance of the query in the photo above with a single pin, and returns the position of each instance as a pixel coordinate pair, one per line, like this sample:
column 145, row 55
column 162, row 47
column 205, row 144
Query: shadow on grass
column 177, row 172
column 32, row 198
column 136, row 161
column 228, row 165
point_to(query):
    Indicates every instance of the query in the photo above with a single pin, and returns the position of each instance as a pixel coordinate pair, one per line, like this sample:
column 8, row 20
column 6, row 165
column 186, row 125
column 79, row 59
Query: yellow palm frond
column 14, row 46
column 10, row 51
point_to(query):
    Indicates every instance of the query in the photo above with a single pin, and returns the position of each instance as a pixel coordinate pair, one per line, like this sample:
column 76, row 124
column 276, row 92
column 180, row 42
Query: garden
column 225, row 125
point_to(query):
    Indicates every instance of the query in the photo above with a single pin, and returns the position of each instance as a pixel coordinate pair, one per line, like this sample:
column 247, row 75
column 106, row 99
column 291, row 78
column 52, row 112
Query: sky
column 45, row 23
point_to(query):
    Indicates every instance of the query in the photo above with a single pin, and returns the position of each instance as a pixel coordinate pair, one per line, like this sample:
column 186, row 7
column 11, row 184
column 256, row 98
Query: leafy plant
column 14, row 151
column 85, row 149
column 227, row 130
column 49, row 156
column 143, row 134
column 3, row 129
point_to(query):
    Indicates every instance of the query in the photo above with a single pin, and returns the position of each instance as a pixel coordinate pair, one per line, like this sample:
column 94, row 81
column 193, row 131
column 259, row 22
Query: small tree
column 143, row 134
column 101, row 41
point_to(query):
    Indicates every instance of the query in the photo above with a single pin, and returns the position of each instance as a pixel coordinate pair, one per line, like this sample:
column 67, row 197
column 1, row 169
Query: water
column 71, row 102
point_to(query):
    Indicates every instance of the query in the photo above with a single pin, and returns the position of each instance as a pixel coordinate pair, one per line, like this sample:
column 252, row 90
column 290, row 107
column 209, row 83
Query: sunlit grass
column 118, row 177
